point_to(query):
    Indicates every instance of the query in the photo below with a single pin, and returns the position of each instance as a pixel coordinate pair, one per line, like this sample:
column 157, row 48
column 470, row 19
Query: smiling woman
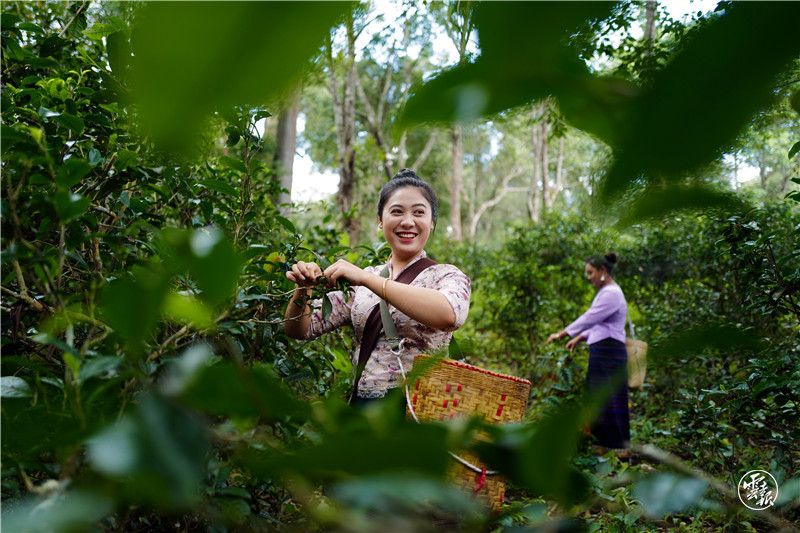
column 427, row 301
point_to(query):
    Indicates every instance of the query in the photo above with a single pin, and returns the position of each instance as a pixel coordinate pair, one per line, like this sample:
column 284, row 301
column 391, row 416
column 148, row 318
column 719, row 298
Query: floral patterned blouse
column 383, row 371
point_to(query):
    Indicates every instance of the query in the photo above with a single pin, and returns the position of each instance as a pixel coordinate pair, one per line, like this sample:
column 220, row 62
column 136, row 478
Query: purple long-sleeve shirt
column 605, row 318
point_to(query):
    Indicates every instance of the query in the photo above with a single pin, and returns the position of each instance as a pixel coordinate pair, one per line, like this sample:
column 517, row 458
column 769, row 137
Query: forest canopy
column 148, row 155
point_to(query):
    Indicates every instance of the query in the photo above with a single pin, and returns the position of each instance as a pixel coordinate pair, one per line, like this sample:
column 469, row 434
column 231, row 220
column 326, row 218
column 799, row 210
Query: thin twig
column 36, row 305
column 78, row 12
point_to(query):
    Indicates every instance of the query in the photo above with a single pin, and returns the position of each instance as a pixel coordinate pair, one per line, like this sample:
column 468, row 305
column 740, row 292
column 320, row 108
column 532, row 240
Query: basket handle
column 464, row 462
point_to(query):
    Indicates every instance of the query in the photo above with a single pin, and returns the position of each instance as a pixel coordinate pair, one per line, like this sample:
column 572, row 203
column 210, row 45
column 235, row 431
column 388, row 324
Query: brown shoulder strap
column 374, row 326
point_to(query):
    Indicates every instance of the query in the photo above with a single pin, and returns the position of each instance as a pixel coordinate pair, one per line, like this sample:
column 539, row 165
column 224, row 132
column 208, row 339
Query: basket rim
column 467, row 366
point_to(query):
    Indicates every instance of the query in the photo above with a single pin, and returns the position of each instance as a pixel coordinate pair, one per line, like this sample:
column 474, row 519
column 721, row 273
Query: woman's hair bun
column 612, row 257
column 406, row 173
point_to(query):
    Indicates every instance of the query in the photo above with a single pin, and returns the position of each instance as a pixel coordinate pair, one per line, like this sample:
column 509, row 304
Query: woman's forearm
column 426, row 306
column 297, row 319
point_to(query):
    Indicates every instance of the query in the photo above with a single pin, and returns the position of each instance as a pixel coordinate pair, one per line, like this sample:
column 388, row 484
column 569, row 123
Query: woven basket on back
column 637, row 362
column 451, row 389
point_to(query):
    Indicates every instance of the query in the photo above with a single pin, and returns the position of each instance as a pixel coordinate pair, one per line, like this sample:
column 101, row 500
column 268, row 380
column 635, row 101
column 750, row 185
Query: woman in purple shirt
column 603, row 329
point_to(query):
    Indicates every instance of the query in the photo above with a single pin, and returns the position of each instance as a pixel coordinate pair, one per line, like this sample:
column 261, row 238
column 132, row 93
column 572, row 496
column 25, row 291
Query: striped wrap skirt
column 611, row 428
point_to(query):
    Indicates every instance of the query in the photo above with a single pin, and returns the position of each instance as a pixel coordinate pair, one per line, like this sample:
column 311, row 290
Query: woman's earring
column 602, row 277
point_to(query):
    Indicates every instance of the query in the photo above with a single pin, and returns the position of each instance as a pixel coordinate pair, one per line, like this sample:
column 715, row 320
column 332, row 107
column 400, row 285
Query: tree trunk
column 650, row 25
column 457, row 182
column 287, row 146
column 344, row 118
column 498, row 196
column 559, row 172
column 402, row 149
column 544, row 131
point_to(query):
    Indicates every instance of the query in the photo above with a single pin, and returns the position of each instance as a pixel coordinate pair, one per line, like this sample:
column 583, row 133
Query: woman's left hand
column 573, row 342
column 342, row 269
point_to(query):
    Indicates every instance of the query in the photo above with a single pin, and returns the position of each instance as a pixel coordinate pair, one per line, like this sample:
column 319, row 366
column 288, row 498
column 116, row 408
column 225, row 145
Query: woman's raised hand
column 304, row 274
column 343, row 269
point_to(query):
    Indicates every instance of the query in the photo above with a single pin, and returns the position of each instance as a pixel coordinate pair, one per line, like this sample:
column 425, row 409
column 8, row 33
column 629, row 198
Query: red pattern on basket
column 480, row 482
column 500, row 410
column 483, row 371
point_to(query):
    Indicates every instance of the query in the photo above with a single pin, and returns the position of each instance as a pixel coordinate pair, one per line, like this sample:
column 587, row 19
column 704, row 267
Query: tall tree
column 343, row 94
column 456, row 17
column 286, row 148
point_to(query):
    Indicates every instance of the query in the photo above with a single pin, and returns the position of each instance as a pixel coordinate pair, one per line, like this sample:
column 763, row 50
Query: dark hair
column 608, row 260
column 408, row 178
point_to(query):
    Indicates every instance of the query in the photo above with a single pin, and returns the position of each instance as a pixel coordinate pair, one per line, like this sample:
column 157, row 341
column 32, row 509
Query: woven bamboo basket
column 637, row 362
column 452, row 389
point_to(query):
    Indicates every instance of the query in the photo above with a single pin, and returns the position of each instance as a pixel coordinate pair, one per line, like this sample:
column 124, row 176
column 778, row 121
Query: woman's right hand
column 304, row 274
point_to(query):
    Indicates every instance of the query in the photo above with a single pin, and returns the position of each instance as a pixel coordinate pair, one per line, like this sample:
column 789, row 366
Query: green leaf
column 46, row 338
column 233, row 138
column 186, row 309
column 208, row 257
column 61, row 510
column 119, row 53
column 12, row 136
column 73, row 363
column 70, row 206
column 223, row 390
column 537, row 457
column 327, row 306
column 9, row 20
column 234, row 510
column 98, row 365
column 698, row 112
column 126, row 159
column 794, row 149
column 95, row 157
column 70, row 122
column 656, row 202
column 662, row 494
column 186, row 71
column 286, row 223
column 100, row 30
column 132, row 306
column 158, row 452
column 230, row 162
column 14, row 387
column 696, row 340
column 72, row 172
column 219, row 186
column 29, row 27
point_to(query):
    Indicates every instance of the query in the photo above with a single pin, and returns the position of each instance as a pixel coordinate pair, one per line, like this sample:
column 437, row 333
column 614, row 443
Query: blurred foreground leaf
column 60, row 511
column 697, row 340
column 537, row 457
column 193, row 57
column 691, row 112
column 157, row 453
column 662, row 494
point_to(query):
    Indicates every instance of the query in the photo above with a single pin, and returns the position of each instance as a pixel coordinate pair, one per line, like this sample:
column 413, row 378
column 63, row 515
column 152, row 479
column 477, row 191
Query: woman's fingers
column 342, row 269
column 304, row 274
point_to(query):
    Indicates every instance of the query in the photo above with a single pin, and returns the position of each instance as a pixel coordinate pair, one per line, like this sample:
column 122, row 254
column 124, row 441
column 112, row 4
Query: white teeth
column 406, row 235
